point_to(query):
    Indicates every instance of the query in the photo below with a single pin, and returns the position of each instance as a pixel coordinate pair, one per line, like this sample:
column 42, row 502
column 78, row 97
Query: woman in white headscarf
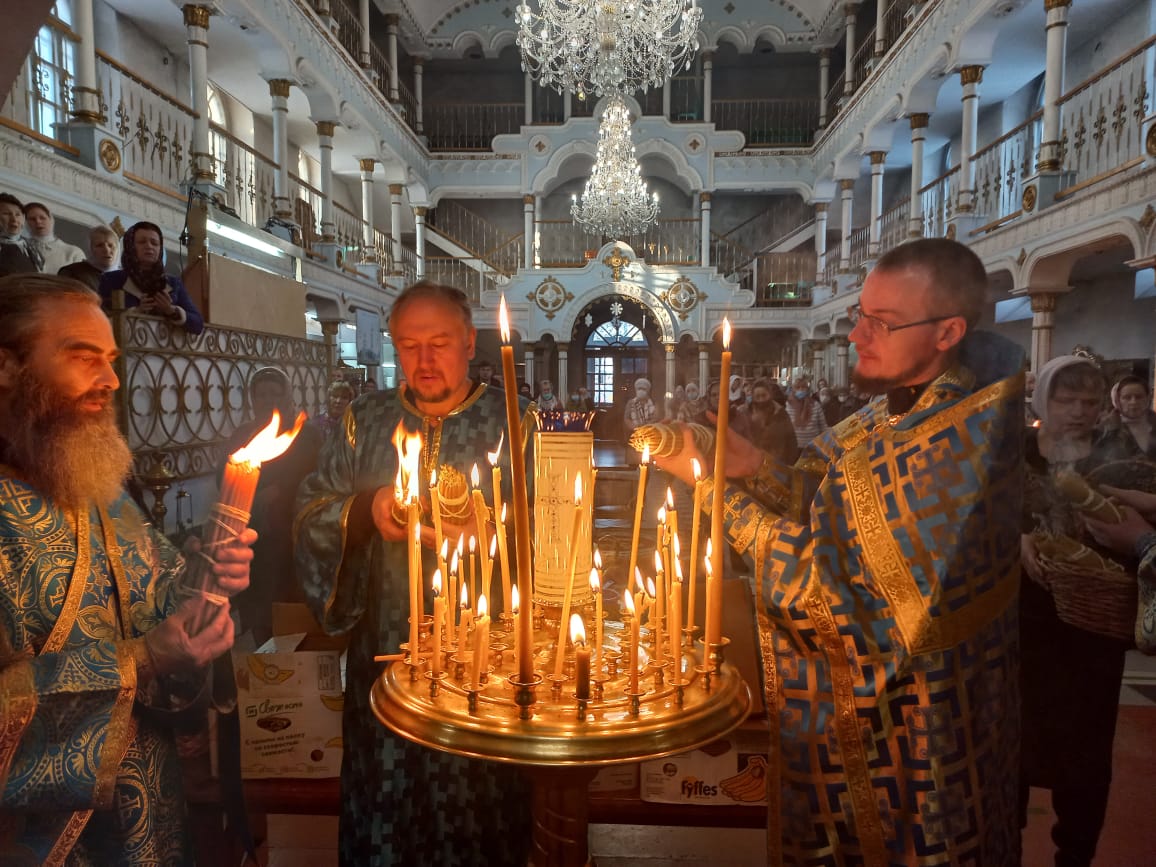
column 1070, row 676
column 640, row 409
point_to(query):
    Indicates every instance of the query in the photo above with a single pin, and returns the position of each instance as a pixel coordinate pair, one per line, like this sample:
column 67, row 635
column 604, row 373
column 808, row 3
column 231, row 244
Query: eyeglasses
column 874, row 325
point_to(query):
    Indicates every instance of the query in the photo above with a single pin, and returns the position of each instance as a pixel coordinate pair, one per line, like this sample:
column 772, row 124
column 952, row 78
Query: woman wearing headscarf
column 805, row 412
column 640, row 409
column 735, row 394
column 1132, row 413
column 1070, row 676
column 146, row 285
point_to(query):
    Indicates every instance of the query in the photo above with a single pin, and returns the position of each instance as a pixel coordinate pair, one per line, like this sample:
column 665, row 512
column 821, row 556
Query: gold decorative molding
column 972, row 74
column 1028, row 202
column 704, row 197
column 395, row 189
column 420, row 211
column 920, row 120
column 1049, row 5
column 846, row 184
column 280, row 87
column 326, row 127
column 878, row 158
column 616, row 261
column 821, row 207
column 1043, row 302
column 367, row 164
column 682, row 297
column 550, row 296
column 527, row 200
column 109, row 155
column 197, row 16
column 1150, row 141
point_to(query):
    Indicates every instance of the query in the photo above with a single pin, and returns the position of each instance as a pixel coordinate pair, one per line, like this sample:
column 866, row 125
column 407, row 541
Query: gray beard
column 71, row 456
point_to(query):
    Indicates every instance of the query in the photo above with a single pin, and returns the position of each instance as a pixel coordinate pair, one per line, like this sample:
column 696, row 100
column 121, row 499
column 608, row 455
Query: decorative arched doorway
column 615, row 341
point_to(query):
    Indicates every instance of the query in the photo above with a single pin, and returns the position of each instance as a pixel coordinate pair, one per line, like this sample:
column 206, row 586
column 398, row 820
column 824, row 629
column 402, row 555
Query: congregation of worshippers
column 829, row 494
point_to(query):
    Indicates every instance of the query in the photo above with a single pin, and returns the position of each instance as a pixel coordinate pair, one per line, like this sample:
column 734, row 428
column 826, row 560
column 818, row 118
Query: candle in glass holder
column 643, row 468
column 521, row 501
column 581, row 657
column 714, row 591
column 481, row 643
column 695, row 521
column 439, row 606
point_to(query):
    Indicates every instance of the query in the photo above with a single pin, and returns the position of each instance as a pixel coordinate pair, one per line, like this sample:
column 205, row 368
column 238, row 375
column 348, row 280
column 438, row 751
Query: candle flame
column 646, row 453
column 662, row 514
column 677, row 570
column 503, row 513
column 475, row 478
column 629, row 603
column 637, row 577
column 650, row 591
column 514, row 600
column 408, row 463
column 597, row 558
column 577, row 630
column 709, row 547
column 445, row 548
column 696, row 468
column 669, row 498
column 483, row 607
column 497, row 452
column 658, row 561
column 465, row 596
column 437, row 582
column 578, row 490
column 473, row 545
column 267, row 444
column 676, row 545
column 504, row 320
column 726, row 333
column 595, row 583
column 493, row 546
column 433, row 478
column 461, row 547
column 454, row 562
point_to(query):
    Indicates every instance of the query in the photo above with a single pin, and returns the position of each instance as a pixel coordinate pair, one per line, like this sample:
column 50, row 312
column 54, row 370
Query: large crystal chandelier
column 607, row 46
column 615, row 201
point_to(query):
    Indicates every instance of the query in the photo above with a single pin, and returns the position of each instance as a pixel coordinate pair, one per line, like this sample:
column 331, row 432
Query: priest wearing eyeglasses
column 888, row 557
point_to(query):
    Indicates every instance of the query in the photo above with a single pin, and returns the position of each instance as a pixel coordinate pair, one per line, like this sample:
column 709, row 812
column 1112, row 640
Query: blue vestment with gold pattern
column 401, row 803
column 889, row 565
column 85, row 775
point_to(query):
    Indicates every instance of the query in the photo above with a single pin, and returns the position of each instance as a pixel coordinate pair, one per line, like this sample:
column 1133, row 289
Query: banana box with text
column 289, row 700
column 731, row 771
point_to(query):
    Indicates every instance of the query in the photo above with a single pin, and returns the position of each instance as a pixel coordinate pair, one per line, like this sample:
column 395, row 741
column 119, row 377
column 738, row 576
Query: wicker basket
column 1101, row 602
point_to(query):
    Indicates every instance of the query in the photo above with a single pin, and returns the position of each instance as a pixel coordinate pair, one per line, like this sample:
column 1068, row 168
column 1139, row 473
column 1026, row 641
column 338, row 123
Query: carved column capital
column 920, row 120
column 197, row 16
column 395, row 189
column 326, row 128
column 847, row 184
column 878, row 158
column 972, row 74
column 1044, row 302
column 821, row 207
column 420, row 211
column 1049, row 5
column 527, row 200
column 367, row 164
column 280, row 87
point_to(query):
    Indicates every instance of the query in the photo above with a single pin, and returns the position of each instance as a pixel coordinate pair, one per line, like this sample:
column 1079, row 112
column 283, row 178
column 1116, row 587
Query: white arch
column 668, row 330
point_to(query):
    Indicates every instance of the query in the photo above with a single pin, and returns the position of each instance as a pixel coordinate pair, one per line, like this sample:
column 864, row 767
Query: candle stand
column 560, row 741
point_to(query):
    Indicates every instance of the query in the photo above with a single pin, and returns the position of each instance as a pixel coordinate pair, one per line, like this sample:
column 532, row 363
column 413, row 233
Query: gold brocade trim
column 307, row 511
column 868, row 826
column 771, row 693
column 431, row 445
column 77, row 583
column 67, row 839
column 18, row 702
column 121, row 728
column 341, row 559
column 116, row 568
column 350, row 427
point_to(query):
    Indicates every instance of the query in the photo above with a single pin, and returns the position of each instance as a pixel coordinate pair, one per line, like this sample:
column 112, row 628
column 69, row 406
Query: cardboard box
column 290, row 697
column 616, row 779
column 731, row 771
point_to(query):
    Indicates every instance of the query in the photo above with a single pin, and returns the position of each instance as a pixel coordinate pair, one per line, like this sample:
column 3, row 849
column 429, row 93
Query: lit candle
column 408, row 463
column 659, row 584
column 439, row 606
column 655, row 620
column 707, row 563
column 443, row 555
column 472, row 561
column 459, row 568
column 481, row 518
column 521, row 501
column 695, row 520
column 596, row 586
column 452, row 590
column 635, row 613
column 660, row 552
column 488, row 572
column 714, row 591
column 674, row 622
column 500, row 521
column 672, row 529
column 231, row 513
column 464, row 621
column 575, row 534
column 514, row 605
column 581, row 657
column 643, row 469
column 481, row 643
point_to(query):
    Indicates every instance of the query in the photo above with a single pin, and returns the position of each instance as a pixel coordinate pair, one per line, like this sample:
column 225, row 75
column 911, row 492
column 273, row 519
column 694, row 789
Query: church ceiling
column 449, row 27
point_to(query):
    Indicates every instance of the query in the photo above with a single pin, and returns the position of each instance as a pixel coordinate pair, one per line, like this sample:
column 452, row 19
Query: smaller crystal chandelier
column 607, row 46
column 615, row 201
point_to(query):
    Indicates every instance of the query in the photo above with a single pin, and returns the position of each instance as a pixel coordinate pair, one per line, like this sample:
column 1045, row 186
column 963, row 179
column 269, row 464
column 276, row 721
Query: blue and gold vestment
column 85, row 776
column 401, row 804
column 889, row 565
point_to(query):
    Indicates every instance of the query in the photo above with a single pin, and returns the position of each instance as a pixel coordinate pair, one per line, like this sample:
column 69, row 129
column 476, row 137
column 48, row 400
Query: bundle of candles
column 459, row 646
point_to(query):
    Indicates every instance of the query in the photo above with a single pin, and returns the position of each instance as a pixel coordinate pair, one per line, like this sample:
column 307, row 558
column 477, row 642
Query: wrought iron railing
column 348, row 28
column 862, row 63
column 470, row 126
column 860, row 246
column 307, row 204
column 472, row 276
column 1103, row 117
column 485, row 241
column 781, row 279
column 897, row 18
column 769, row 122
column 686, row 93
column 672, row 241
column 183, row 395
column 834, row 97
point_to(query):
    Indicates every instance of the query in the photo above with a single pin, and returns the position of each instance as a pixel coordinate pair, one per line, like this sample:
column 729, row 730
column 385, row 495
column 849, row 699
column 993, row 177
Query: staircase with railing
column 734, row 251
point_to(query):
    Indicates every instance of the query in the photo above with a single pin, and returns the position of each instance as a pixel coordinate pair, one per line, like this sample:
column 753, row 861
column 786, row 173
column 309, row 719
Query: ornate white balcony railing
column 673, row 241
column 893, row 225
column 1000, row 169
column 470, row 126
column 939, row 199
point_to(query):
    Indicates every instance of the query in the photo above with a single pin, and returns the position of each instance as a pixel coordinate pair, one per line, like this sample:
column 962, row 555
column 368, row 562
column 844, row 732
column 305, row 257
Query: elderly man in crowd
column 888, row 557
column 97, row 643
column 403, row 804
column 16, row 253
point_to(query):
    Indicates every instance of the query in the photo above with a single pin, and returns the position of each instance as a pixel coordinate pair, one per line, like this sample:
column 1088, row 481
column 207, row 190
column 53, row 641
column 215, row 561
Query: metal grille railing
column 470, row 126
column 563, row 244
column 769, row 122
